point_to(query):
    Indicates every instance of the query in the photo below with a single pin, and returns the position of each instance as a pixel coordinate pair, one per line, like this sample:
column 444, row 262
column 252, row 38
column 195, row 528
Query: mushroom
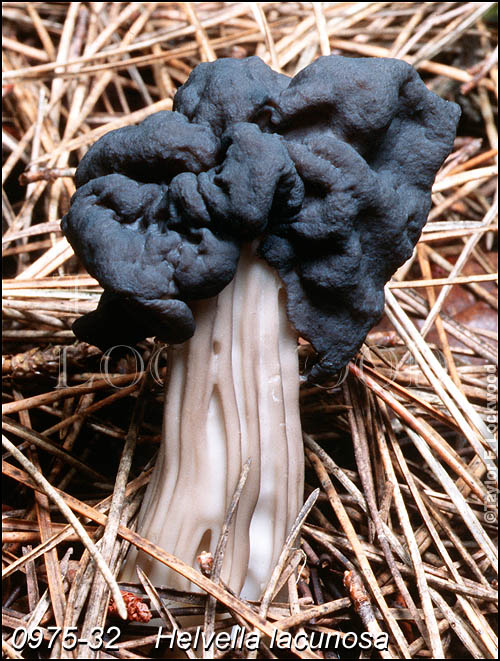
column 262, row 207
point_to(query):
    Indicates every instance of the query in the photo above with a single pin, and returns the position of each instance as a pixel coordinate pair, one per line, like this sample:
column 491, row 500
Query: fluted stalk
column 232, row 393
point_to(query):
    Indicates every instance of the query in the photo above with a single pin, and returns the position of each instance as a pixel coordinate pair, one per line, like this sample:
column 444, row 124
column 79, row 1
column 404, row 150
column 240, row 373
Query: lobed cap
column 331, row 171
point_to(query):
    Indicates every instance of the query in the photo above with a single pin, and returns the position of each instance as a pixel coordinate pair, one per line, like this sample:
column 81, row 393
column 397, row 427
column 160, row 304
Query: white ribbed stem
column 232, row 393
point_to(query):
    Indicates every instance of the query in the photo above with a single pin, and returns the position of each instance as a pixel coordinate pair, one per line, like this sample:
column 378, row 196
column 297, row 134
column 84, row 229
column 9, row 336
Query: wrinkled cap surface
column 331, row 171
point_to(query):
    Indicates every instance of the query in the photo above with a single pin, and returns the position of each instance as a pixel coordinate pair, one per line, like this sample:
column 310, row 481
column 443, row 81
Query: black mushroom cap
column 331, row 171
